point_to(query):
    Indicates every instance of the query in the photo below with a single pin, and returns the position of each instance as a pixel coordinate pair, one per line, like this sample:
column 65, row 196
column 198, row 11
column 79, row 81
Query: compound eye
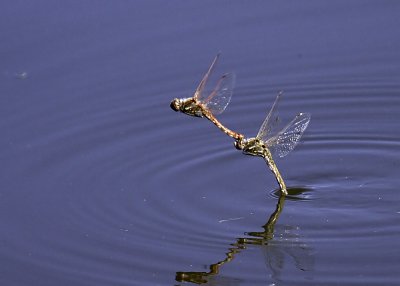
column 175, row 104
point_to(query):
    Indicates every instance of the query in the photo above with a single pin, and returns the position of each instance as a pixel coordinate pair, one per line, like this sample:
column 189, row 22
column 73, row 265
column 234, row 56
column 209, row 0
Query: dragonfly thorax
column 254, row 147
column 251, row 146
column 188, row 106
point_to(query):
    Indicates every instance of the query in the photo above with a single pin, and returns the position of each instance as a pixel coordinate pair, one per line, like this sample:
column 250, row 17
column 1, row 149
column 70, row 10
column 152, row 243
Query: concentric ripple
column 103, row 184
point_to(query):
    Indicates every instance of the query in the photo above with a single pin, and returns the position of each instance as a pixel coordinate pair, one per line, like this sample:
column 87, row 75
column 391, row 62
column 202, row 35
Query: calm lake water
column 101, row 183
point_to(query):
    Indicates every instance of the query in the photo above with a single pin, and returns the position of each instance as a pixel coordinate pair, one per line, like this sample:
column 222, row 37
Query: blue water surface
column 101, row 183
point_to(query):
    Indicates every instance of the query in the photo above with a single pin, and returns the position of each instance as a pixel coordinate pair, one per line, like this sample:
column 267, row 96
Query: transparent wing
column 198, row 94
column 287, row 139
column 220, row 97
column 271, row 121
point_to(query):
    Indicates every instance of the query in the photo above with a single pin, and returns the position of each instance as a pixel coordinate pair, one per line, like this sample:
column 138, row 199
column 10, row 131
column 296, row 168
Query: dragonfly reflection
column 268, row 141
column 208, row 105
column 277, row 245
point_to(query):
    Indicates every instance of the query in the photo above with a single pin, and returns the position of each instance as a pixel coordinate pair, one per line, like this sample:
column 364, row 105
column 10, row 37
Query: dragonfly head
column 240, row 143
column 176, row 104
column 252, row 146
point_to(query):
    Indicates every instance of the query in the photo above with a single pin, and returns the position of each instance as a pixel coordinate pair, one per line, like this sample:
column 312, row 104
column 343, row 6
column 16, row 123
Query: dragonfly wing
column 270, row 122
column 220, row 97
column 287, row 139
column 198, row 94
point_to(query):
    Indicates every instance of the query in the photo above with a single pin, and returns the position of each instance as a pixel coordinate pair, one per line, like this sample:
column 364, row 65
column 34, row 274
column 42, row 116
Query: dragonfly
column 269, row 141
column 209, row 105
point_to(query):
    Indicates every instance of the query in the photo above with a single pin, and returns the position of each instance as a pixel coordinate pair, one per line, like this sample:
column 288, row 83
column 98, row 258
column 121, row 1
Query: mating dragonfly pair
column 267, row 141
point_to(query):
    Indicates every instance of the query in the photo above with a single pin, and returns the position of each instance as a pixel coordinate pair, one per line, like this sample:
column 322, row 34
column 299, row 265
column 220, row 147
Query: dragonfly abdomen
column 272, row 166
column 216, row 122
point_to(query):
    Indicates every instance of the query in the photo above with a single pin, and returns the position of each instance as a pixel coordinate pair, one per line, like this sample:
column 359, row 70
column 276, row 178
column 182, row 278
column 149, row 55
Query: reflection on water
column 281, row 245
column 296, row 194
